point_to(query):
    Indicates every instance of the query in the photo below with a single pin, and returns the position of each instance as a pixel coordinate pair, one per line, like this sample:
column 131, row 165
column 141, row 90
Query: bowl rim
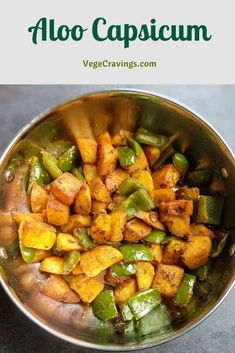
column 35, row 318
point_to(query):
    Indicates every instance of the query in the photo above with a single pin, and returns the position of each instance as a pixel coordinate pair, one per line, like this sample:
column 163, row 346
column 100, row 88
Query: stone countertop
column 18, row 105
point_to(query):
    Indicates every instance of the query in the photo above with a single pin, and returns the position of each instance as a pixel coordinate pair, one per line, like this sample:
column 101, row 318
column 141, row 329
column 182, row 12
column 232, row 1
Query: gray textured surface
column 18, row 105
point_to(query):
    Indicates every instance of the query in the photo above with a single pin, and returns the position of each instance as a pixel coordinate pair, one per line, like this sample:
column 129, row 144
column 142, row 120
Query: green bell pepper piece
column 120, row 270
column 128, row 186
column 34, row 174
column 180, row 162
column 67, row 160
column 167, row 153
column 201, row 273
column 143, row 302
column 156, row 321
column 77, row 172
column 71, row 260
column 185, row 290
column 166, row 239
column 126, row 313
column 135, row 146
column 104, row 306
column 136, row 252
column 50, row 164
column 126, row 156
column 148, row 138
column 209, row 210
column 140, row 200
column 155, row 237
column 27, row 254
column 199, row 178
column 83, row 238
column 14, row 249
column 219, row 244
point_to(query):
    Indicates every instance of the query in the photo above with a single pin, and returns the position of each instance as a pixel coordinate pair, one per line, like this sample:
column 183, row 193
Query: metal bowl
column 112, row 110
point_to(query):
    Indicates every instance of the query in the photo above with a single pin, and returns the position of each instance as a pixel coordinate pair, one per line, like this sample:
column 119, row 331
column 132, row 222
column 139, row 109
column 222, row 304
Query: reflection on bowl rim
column 35, row 318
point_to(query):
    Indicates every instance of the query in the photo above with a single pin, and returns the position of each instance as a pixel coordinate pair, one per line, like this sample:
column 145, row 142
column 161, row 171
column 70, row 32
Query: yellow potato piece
column 144, row 275
column 83, row 201
column 197, row 251
column 152, row 153
column 150, row 218
column 145, row 178
column 125, row 290
column 58, row 289
column 173, row 251
column 165, row 177
column 114, row 179
column 162, row 195
column 37, row 235
column 177, row 225
column 88, row 289
column 77, row 270
column 88, row 149
column 99, row 191
column 100, row 229
column 19, row 216
column 157, row 253
column 67, row 242
column 201, row 229
column 90, row 172
column 167, row 279
column 39, row 198
column 118, row 220
column 65, row 188
column 98, row 259
column 53, row 264
column 57, row 212
column 107, row 159
column 136, row 230
column 76, row 221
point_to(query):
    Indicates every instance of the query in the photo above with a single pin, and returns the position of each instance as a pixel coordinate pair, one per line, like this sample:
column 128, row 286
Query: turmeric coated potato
column 177, row 208
column 88, row 289
column 99, row 191
column 57, row 212
column 120, row 138
column 98, row 207
column 172, row 254
column 141, row 163
column 39, row 198
column 67, row 242
column 188, row 193
column 200, row 229
column 76, row 221
column 167, row 280
column 88, row 149
column 114, row 179
column 150, row 218
column 90, row 172
column 65, row 188
column 118, row 221
column 104, row 137
column 197, row 251
column 144, row 275
column 145, row 178
column 19, row 216
column 162, row 195
column 100, row 229
column 177, row 225
column 125, row 290
column 77, row 270
column 83, row 201
column 152, row 153
column 136, row 230
column 157, row 253
column 53, row 264
column 165, row 177
column 107, row 159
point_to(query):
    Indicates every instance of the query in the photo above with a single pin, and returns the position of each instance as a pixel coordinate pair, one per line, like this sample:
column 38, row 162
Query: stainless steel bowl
column 112, row 110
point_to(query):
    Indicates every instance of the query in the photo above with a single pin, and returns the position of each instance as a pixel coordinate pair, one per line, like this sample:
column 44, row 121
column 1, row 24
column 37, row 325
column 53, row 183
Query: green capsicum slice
column 167, row 153
column 77, row 172
column 27, row 254
column 50, row 164
column 185, row 290
column 128, row 186
column 219, row 244
column 167, row 238
column 126, row 156
column 143, row 302
column 199, row 178
column 135, row 146
column 120, row 270
column 155, row 237
column 136, row 252
column 180, row 162
column 83, row 238
column 71, row 260
column 140, row 200
column 34, row 174
column 201, row 273
column 126, row 313
column 67, row 160
column 104, row 306
column 209, row 210
column 148, row 138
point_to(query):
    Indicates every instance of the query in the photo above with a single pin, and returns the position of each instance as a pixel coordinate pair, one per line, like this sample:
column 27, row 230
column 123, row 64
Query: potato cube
column 37, row 235
column 157, row 253
column 167, row 279
column 39, row 198
column 76, row 221
column 201, row 229
column 120, row 138
column 65, row 188
column 141, row 163
column 152, row 153
column 99, row 191
column 88, row 149
column 104, row 138
column 87, row 290
column 53, row 264
column 107, row 159
column 162, row 195
column 197, row 251
column 177, row 208
column 19, row 216
column 114, row 179
column 98, row 259
column 100, row 229
column 67, row 242
column 57, row 212
column 177, row 225
column 90, row 172
column 144, row 275
column 125, row 290
column 77, row 270
column 118, row 221
column 83, row 201
column 136, row 230
column 187, row 193
column 165, row 177
column 145, row 178
column 98, row 207
column 172, row 254
column 150, row 218
column 58, row 289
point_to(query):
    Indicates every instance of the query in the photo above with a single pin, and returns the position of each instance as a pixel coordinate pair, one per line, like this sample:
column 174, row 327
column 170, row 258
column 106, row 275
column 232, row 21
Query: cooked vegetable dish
column 121, row 223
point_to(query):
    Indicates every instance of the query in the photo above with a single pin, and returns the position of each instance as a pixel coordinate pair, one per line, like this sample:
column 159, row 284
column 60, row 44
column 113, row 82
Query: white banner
column 126, row 41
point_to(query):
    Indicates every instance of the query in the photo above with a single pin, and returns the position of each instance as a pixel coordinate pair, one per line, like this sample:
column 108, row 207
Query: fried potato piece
column 76, row 221
column 144, row 275
column 145, row 178
column 165, row 177
column 136, row 230
column 187, row 193
column 57, row 212
column 98, row 207
column 152, row 153
column 125, row 290
column 167, row 279
column 88, row 149
column 177, row 208
column 120, row 138
column 197, row 251
column 90, row 172
column 162, row 195
column 65, row 188
column 58, row 289
column 157, row 253
column 172, row 254
column 98, row 259
column 100, row 229
column 67, row 242
column 114, row 179
column 39, row 198
column 200, row 229
column 37, row 235
column 104, row 138
column 77, row 270
column 113, row 280
column 107, row 159
column 141, row 163
column 88, row 289
column 150, row 218
column 99, row 191
column 19, row 216
column 118, row 221
column 53, row 264
column 177, row 225
column 83, row 201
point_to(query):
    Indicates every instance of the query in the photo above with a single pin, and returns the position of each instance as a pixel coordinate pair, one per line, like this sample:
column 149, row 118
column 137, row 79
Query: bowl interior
column 112, row 111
